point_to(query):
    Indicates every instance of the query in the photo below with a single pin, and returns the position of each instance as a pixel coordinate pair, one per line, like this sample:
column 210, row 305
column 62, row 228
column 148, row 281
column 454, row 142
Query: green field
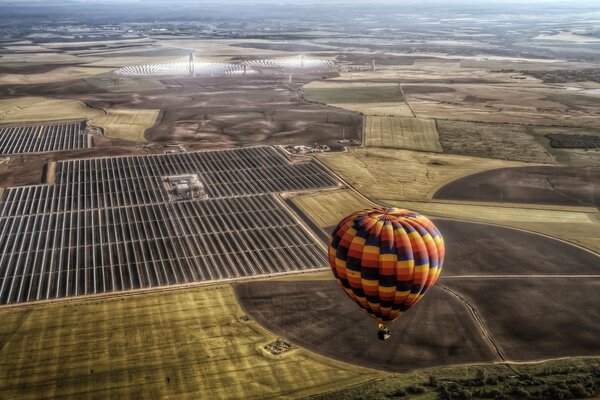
column 345, row 94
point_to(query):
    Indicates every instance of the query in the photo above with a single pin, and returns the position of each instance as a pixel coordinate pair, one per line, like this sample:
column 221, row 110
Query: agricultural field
column 176, row 344
column 328, row 208
column 128, row 124
column 513, row 104
column 575, row 157
column 491, row 90
column 402, row 133
column 31, row 109
column 321, row 318
column 501, row 141
column 416, row 175
column 115, row 84
column 558, row 185
column 578, row 225
column 341, row 93
column 519, row 332
column 385, row 110
column 464, row 305
column 401, row 109
column 58, row 74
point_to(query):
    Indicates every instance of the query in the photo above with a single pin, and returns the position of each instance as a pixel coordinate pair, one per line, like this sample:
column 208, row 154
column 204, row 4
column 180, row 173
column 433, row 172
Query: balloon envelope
column 386, row 259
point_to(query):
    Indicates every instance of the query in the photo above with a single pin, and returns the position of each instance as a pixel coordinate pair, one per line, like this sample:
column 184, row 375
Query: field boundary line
column 486, row 334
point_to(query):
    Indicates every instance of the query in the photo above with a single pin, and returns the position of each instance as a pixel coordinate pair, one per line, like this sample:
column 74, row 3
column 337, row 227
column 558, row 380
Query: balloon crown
column 391, row 214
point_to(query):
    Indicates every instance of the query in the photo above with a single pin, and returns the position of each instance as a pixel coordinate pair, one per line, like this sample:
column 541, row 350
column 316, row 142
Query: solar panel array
column 108, row 224
column 43, row 137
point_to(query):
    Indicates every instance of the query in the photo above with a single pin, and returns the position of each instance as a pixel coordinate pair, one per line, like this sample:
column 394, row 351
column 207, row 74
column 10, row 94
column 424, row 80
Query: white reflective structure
column 196, row 68
column 292, row 63
column 183, row 69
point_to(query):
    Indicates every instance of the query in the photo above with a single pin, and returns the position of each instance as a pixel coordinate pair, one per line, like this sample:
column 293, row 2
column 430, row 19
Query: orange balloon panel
column 386, row 259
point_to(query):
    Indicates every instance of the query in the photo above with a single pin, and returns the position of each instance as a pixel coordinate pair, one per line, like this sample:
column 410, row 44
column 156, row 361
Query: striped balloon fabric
column 386, row 259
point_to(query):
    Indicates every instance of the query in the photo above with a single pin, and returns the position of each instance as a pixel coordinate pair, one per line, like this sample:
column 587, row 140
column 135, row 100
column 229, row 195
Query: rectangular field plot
column 393, row 110
column 108, row 224
column 43, row 137
column 402, row 133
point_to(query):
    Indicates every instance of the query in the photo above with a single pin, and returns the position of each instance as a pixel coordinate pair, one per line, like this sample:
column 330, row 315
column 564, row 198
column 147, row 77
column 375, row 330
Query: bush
column 579, row 391
column 398, row 393
column 554, row 392
column 488, row 393
column 520, row 393
column 454, row 393
column 481, row 375
column 416, row 389
column 540, row 381
column 463, row 394
column 492, row 380
column 433, row 381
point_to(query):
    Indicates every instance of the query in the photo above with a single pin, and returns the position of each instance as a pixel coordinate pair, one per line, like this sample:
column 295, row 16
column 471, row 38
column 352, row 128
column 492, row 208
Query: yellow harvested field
column 128, row 124
column 353, row 94
column 26, row 109
column 402, row 133
column 578, row 227
column 176, row 344
column 328, row 208
column 381, row 173
column 392, row 110
column 396, row 109
column 59, row 74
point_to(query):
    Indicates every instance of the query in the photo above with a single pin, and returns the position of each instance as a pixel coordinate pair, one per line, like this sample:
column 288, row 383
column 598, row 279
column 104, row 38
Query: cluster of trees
column 559, row 384
column 553, row 383
column 564, row 76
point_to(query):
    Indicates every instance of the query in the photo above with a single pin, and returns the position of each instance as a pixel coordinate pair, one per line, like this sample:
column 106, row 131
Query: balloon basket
column 384, row 333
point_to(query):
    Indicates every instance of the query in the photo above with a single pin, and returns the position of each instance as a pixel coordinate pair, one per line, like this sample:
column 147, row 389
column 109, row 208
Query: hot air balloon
column 385, row 259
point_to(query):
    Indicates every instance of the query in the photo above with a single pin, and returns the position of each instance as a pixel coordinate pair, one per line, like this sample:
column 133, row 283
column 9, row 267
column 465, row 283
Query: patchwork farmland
column 113, row 224
column 43, row 137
